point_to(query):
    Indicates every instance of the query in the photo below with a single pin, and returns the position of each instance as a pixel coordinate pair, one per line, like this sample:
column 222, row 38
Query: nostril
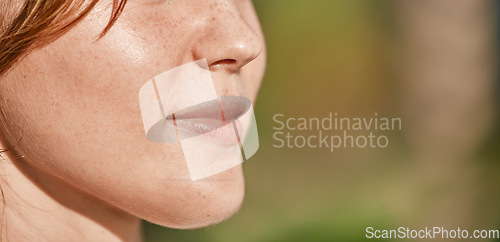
column 224, row 62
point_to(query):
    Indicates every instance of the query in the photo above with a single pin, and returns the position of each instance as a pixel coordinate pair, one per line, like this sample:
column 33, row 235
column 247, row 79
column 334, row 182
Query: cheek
column 81, row 128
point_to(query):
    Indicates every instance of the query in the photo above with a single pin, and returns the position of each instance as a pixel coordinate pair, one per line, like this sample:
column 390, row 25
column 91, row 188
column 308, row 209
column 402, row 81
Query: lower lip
column 211, row 130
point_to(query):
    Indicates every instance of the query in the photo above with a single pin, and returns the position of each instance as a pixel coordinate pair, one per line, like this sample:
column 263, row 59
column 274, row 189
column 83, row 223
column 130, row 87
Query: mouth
column 215, row 120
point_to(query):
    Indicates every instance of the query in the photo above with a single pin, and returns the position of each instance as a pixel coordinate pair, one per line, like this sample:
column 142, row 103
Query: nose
column 227, row 40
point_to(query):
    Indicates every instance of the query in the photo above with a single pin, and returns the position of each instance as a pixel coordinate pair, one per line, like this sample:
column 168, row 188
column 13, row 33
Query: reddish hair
column 40, row 22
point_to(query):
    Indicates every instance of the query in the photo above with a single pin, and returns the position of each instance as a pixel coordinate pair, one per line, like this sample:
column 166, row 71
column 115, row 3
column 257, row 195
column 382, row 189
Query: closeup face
column 74, row 105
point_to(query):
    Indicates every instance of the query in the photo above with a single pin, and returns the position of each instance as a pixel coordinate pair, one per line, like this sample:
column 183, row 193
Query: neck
column 39, row 207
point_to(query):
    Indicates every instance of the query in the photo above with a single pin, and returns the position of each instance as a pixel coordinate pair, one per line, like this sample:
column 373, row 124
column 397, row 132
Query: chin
column 203, row 203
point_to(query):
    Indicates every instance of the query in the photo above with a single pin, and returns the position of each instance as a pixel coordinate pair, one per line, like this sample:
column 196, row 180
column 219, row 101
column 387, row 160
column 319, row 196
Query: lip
column 217, row 121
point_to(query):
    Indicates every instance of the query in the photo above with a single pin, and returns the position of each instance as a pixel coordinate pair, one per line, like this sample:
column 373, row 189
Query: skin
column 83, row 170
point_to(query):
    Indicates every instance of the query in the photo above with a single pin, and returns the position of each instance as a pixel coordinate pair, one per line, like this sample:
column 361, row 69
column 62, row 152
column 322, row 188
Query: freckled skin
column 75, row 105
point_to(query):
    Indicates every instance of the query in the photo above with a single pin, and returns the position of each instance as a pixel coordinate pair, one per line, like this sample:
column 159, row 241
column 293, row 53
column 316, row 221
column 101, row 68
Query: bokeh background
column 433, row 63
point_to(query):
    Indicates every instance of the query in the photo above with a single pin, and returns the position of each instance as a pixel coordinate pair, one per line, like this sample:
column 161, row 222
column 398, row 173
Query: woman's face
column 74, row 104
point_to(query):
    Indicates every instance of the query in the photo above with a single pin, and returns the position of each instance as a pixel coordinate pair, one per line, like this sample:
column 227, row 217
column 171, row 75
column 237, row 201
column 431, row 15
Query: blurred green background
column 355, row 58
